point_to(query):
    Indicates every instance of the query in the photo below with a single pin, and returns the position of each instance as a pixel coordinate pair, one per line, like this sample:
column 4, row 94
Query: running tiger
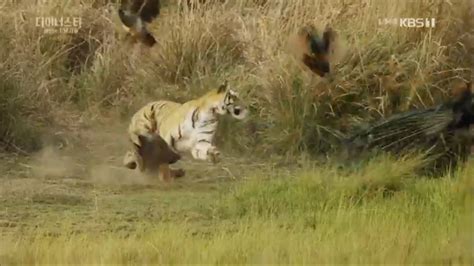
column 188, row 127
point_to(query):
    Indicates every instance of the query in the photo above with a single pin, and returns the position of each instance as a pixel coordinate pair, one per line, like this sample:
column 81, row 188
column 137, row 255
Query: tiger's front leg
column 205, row 151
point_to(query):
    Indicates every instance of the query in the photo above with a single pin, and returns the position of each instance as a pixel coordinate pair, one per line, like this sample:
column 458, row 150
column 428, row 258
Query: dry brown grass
column 53, row 81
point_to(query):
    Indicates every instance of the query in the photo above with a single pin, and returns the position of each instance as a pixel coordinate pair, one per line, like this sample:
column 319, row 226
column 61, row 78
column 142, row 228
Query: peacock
column 439, row 130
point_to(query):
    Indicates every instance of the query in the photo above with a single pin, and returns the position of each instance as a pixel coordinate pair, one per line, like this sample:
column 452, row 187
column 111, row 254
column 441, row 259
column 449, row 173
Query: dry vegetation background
column 66, row 81
column 67, row 99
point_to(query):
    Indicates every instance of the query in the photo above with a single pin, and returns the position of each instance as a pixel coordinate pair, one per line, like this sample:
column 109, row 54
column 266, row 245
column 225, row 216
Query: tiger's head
column 229, row 102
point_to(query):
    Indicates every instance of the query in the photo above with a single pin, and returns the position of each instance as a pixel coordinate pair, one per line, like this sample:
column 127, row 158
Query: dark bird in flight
column 316, row 49
column 135, row 15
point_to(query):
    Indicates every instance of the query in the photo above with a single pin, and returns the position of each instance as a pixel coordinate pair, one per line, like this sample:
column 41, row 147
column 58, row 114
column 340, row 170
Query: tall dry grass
column 50, row 81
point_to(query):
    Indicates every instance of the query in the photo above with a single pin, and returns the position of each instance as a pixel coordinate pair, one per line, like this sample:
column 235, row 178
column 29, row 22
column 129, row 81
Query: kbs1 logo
column 408, row 22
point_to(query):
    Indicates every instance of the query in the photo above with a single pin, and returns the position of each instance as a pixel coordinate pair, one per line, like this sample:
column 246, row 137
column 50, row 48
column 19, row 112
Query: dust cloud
column 50, row 163
column 95, row 157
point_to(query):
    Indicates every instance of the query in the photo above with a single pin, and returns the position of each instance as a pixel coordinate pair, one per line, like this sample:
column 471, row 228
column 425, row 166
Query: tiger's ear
column 223, row 88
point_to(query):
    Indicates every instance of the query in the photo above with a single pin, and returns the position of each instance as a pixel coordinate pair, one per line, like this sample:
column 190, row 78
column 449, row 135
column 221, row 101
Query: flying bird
column 316, row 48
column 135, row 15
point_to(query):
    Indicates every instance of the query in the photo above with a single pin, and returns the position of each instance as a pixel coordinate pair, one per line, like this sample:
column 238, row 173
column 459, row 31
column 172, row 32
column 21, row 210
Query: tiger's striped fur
column 190, row 126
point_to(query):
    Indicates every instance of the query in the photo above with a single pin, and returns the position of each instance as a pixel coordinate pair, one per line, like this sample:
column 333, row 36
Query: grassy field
column 309, row 214
column 278, row 196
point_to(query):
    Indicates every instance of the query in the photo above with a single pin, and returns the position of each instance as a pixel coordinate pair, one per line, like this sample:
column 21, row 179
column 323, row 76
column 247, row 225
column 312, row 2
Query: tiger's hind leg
column 130, row 160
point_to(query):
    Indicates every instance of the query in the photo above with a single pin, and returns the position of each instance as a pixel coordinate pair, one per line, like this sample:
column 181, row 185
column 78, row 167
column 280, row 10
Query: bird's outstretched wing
column 146, row 10
column 149, row 10
column 328, row 38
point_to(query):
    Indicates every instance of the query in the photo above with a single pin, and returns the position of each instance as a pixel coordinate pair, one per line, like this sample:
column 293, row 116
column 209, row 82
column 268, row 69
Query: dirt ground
column 81, row 179
column 55, row 202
